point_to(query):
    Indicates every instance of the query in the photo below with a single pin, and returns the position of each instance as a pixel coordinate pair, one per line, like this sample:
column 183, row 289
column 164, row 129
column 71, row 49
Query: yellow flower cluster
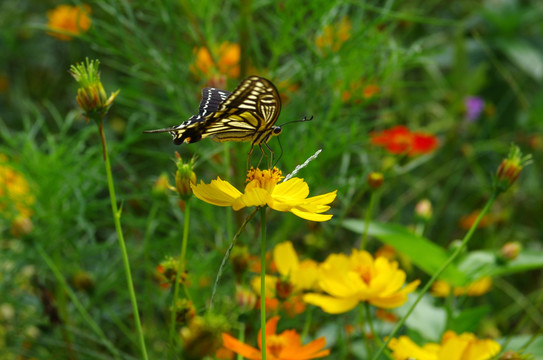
column 465, row 346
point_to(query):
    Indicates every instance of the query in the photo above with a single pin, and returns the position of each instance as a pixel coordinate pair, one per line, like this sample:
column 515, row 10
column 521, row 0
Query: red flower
column 401, row 141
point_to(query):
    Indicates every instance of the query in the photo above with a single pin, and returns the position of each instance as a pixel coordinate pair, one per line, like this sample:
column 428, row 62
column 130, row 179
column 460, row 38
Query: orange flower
column 400, row 140
column 333, row 36
column 284, row 346
column 227, row 60
column 467, row 221
column 370, row 91
column 66, row 21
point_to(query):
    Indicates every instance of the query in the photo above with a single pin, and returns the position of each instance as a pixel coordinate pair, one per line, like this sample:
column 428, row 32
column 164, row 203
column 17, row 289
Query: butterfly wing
column 248, row 114
column 191, row 130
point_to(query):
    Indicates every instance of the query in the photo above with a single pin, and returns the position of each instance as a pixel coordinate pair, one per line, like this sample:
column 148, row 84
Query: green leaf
column 428, row 256
column 485, row 263
column 525, row 56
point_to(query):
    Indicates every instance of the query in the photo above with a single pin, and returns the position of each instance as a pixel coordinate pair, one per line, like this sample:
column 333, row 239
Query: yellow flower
column 302, row 275
column 404, row 348
column 66, row 21
column 465, row 346
column 226, row 62
column 263, row 189
column 359, row 277
column 284, row 346
column 477, row 288
column 16, row 199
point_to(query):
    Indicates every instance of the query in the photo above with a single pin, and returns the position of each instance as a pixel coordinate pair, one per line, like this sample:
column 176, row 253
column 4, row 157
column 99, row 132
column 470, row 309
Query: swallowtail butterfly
column 246, row 114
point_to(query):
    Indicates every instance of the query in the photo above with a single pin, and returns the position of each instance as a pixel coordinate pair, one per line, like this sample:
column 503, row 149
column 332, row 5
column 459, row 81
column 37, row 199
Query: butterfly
column 246, row 114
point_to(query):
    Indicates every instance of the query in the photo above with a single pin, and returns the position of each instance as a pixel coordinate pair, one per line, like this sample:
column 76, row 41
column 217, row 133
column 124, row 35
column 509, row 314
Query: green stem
column 117, row 220
column 307, row 322
column 453, row 256
column 370, row 323
column 227, row 255
column 263, row 279
column 84, row 314
column 369, row 212
column 241, row 338
column 180, row 269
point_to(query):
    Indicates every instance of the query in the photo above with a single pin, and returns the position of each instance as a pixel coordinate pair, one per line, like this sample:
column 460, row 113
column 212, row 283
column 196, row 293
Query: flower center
column 275, row 344
column 364, row 271
column 264, row 179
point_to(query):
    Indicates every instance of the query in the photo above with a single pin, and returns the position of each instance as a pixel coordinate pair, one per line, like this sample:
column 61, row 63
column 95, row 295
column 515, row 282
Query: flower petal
column 310, row 216
column 218, row 192
column 330, row 304
column 252, row 197
column 238, row 347
column 285, row 258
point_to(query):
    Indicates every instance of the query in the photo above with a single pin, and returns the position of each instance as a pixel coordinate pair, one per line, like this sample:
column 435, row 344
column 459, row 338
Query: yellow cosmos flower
column 465, row 346
column 302, row 275
column 477, row 288
column 284, row 346
column 263, row 189
column 351, row 279
column 66, row 21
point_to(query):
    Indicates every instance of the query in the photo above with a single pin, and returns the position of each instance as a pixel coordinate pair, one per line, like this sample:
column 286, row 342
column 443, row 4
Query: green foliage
column 424, row 57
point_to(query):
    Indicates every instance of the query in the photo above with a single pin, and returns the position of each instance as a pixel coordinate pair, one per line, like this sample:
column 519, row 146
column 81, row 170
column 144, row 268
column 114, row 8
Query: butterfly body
column 246, row 114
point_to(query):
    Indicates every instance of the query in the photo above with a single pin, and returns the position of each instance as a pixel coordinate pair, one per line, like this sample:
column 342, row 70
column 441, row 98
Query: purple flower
column 474, row 107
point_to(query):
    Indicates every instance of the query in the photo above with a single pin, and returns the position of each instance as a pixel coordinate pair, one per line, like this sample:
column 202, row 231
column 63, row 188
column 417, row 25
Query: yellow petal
column 253, row 197
column 218, row 192
column 285, row 258
column 330, row 304
column 294, row 188
column 310, row 216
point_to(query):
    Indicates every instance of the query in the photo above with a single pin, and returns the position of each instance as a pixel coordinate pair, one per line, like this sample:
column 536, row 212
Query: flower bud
column 166, row 273
column 184, row 311
column 245, row 298
column 184, row 177
column 202, row 337
column 375, row 180
column 91, row 96
column 424, row 210
column 510, row 169
column 510, row 250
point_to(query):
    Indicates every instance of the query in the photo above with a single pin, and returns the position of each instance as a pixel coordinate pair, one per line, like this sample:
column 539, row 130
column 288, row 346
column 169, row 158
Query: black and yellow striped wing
column 248, row 114
column 191, row 129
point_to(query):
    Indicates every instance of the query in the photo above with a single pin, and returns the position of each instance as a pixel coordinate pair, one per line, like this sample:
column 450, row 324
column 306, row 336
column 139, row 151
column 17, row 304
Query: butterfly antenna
column 158, row 130
column 295, row 121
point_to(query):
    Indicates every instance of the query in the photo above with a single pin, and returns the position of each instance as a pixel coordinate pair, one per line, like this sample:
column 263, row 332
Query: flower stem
column 117, row 220
column 227, row 255
column 180, row 269
column 453, row 256
column 84, row 314
column 263, row 279
column 367, row 219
